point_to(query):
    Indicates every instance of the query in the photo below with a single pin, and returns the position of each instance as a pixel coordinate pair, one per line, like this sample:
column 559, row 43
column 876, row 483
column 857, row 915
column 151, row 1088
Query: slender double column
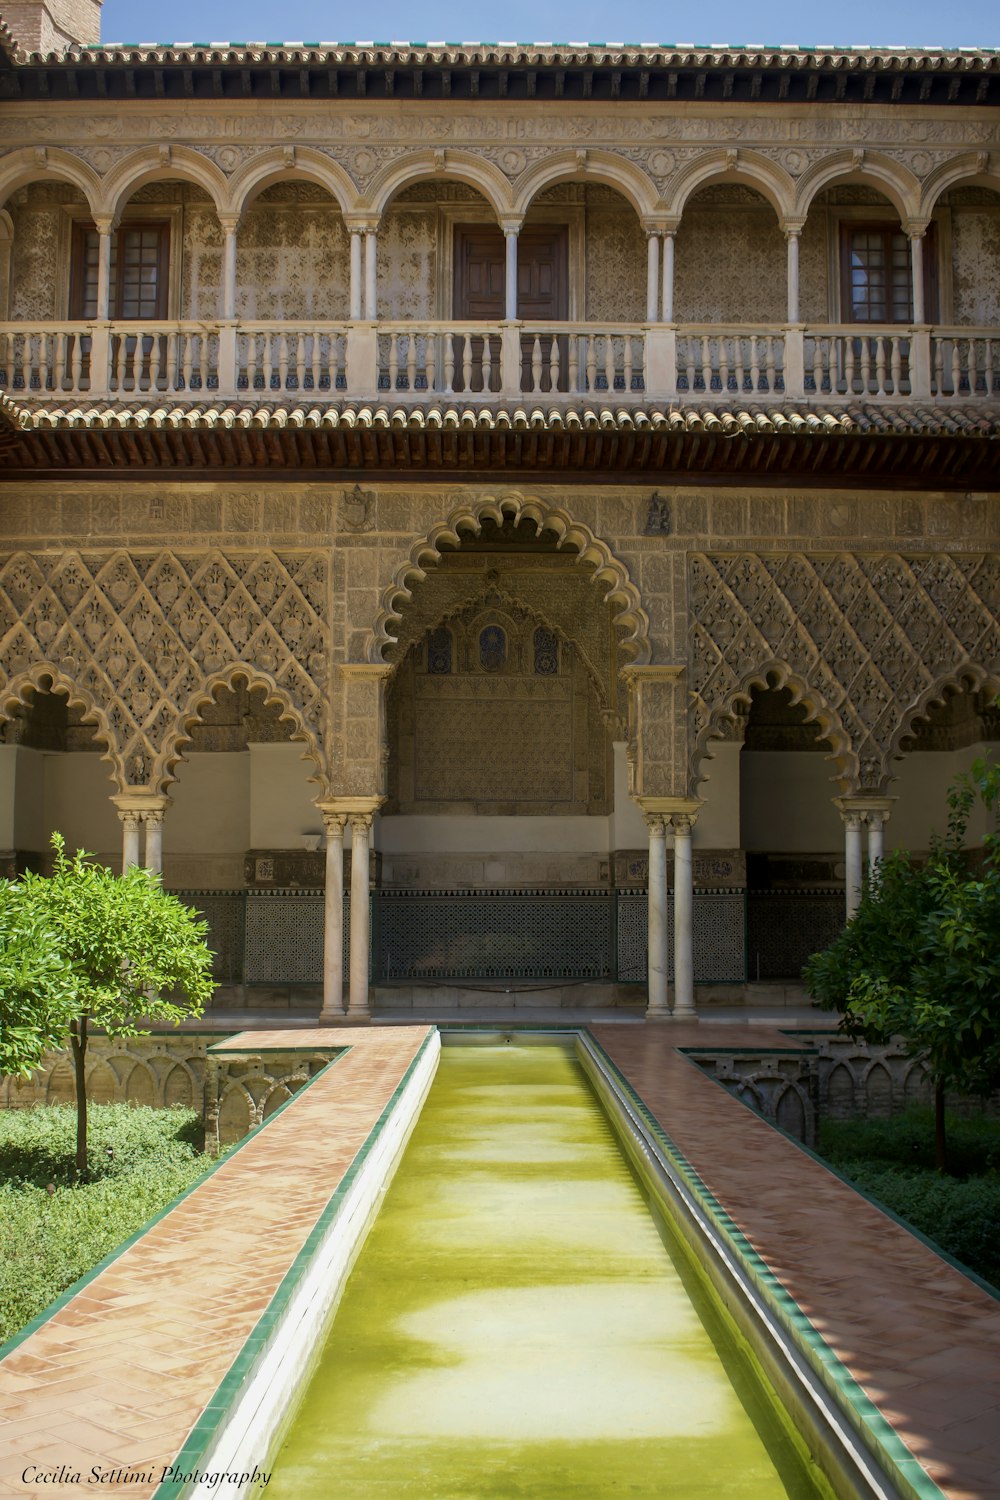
column 657, row 1007
column 861, row 815
column 142, row 821
column 333, row 919
column 684, row 1006
column 358, row 1006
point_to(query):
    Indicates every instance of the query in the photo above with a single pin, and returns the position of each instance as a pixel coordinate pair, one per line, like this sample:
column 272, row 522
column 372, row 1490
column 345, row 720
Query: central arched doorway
column 507, row 808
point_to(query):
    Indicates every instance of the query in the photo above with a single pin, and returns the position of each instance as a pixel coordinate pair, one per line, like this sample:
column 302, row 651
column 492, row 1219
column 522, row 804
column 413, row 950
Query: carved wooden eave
column 907, row 447
column 489, row 71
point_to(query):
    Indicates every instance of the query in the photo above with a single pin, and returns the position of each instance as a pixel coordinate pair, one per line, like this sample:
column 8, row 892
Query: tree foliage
column 132, row 953
column 37, row 988
column 920, row 959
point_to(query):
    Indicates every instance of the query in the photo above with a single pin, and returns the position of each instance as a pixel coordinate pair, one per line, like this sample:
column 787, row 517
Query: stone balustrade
column 415, row 361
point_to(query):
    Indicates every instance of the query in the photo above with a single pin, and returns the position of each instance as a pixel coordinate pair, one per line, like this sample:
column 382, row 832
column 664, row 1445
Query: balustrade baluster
column 739, row 369
column 467, row 364
column 771, row 365
column 536, row 364
column 187, row 362
column 121, row 360
column 896, row 366
column 609, row 362
column 573, row 375
column 850, row 363
column 937, row 366
column 591, row 346
column 430, row 360
column 627, row 357
column 554, row 365
column 24, row 367
column 299, row 345
column 689, row 368
column 487, row 361
column 268, row 359
column 393, row 373
column 706, row 362
column 76, row 362
column 880, row 352
column 315, row 358
column 989, row 372
column 284, row 350
column 724, row 366
column 155, row 358
column 817, row 364
column 44, row 360
column 449, row 362
column 956, row 367
column 411, row 361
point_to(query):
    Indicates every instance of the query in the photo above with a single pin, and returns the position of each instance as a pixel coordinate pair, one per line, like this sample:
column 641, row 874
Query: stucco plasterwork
column 862, row 641
column 143, row 639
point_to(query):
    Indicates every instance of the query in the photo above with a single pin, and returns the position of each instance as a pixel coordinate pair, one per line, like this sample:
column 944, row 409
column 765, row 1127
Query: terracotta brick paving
column 921, row 1339
column 118, row 1376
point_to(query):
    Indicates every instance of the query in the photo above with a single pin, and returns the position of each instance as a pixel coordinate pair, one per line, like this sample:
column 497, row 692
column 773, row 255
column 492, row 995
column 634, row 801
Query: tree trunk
column 940, row 1139
column 78, row 1036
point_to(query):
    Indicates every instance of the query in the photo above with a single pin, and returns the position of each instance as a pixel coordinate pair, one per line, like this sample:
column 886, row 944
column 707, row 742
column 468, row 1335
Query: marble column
column 792, row 236
column 657, row 1008
column 229, row 269
column 358, row 1008
column 510, row 282
column 333, row 919
column 652, row 275
column 684, row 1006
column 667, row 289
column 130, row 839
column 104, row 232
column 371, row 294
column 153, row 824
column 852, row 860
column 917, row 272
column 876, row 847
column 356, row 277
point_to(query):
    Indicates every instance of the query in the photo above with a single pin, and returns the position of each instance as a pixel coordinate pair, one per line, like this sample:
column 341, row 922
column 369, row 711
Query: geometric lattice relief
column 867, row 635
column 139, row 633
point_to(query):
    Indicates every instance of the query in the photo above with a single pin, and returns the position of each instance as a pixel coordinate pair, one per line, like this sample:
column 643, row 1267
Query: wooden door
column 542, row 289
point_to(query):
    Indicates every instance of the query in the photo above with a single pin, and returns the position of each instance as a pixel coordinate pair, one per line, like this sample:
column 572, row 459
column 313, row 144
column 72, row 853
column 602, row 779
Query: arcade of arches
column 481, row 703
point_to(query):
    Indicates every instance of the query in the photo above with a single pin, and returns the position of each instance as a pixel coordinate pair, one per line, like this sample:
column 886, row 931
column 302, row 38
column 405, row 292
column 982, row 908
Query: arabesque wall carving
column 863, row 639
column 141, row 638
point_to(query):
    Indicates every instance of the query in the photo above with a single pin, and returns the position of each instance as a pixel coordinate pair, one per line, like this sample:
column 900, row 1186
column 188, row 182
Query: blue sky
column 921, row 23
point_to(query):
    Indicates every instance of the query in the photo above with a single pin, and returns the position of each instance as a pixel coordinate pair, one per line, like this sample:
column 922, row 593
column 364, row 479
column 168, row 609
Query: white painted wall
column 786, row 802
column 718, row 825
column 209, row 808
column 282, row 806
column 77, row 790
column 921, row 791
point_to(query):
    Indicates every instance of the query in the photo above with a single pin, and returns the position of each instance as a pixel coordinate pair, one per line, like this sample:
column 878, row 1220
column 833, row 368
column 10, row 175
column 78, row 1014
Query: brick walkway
column 921, row 1339
column 118, row 1376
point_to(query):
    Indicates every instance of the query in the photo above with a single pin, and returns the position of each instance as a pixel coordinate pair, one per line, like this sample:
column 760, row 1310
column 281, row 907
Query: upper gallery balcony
column 438, row 297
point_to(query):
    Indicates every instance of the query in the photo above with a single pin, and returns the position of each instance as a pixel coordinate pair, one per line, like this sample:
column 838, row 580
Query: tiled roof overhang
column 514, row 70
column 901, row 447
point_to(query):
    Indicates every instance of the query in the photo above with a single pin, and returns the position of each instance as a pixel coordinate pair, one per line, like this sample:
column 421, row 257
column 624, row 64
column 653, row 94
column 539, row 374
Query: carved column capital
column 334, row 823
column 361, row 820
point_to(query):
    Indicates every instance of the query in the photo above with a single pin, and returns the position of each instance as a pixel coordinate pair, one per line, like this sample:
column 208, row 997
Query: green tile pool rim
column 875, row 1429
column 202, row 1435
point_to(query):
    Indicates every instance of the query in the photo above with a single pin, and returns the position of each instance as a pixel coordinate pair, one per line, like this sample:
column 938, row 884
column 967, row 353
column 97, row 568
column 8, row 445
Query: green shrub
column 908, row 1141
column 54, row 1229
column 963, row 1217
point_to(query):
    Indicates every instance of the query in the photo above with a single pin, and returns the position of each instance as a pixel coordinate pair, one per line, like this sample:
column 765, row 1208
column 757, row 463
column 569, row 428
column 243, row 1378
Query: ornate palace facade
column 565, row 476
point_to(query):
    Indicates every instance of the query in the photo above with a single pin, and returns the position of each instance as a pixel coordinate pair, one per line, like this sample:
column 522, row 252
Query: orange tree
column 920, row 959
column 122, row 952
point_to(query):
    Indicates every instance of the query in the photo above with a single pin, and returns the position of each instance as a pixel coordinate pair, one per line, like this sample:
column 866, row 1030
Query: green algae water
column 517, row 1325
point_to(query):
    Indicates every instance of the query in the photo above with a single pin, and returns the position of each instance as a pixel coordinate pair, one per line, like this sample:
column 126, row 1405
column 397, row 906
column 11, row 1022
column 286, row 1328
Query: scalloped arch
column 418, row 166
column 21, row 167
column 749, row 169
column 30, row 681
column 177, row 737
column 598, row 166
column 895, row 182
column 150, row 165
column 308, row 165
column 969, row 676
column 770, row 674
column 966, row 169
column 469, row 517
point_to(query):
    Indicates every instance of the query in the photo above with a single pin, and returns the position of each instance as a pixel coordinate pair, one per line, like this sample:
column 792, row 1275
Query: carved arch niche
column 505, row 684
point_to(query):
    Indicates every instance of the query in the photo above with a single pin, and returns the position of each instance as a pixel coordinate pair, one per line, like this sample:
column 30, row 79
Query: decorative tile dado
column 141, row 639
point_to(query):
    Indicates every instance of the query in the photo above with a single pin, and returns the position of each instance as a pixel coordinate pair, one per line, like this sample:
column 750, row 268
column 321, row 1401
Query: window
column 876, row 277
column 139, row 265
column 492, row 648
